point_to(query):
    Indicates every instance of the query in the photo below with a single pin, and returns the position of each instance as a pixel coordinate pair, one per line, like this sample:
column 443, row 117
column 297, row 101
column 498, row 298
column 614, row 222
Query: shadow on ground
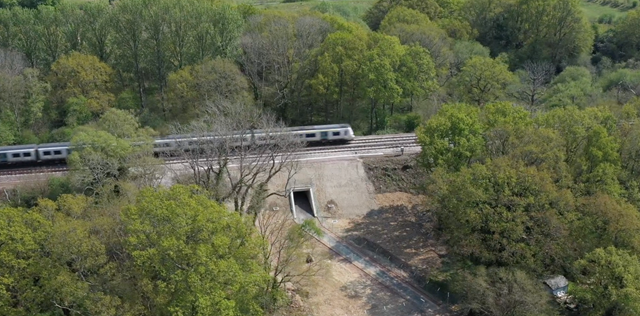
column 402, row 232
column 381, row 303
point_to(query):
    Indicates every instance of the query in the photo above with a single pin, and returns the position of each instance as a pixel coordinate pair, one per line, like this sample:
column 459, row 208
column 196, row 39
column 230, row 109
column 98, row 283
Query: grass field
column 356, row 5
column 593, row 11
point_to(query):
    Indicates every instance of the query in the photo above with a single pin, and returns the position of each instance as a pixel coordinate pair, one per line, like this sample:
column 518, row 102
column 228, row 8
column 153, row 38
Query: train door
column 324, row 135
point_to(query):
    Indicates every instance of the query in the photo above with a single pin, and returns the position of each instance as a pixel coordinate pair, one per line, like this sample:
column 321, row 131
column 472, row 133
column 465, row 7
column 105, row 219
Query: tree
column 213, row 81
column 608, row 282
column 21, row 234
column 380, row 77
column 452, row 138
column 588, row 138
column 574, row 86
column 607, row 221
column 503, row 292
column 274, row 47
column 625, row 83
column 463, row 51
column 96, row 17
column 554, row 31
column 82, row 76
column 507, row 217
column 482, row 80
column 128, row 37
column 625, row 36
column 504, row 124
column 413, row 27
column 377, row 13
column 337, row 80
column 51, row 33
column 22, row 98
column 25, row 35
column 192, row 256
column 117, row 149
column 225, row 160
column 534, row 78
column 416, row 75
column 285, row 247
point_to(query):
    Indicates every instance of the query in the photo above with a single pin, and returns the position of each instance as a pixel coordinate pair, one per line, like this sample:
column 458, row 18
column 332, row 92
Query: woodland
column 527, row 112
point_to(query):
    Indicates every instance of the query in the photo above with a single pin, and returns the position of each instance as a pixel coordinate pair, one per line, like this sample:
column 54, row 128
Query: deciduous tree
column 81, row 76
column 193, row 256
column 608, row 282
column 482, row 80
column 226, row 160
column 452, row 138
column 499, row 291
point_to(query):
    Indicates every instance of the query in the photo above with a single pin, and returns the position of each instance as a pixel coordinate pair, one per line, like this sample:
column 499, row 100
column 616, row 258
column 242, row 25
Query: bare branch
column 236, row 150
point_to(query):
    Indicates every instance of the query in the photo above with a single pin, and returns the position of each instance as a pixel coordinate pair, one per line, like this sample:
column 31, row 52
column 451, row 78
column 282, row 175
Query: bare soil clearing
column 341, row 289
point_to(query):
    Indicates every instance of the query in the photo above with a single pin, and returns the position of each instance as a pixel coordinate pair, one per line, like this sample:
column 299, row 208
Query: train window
column 26, row 155
column 46, row 153
column 15, row 155
column 310, row 135
column 57, row 152
column 336, row 133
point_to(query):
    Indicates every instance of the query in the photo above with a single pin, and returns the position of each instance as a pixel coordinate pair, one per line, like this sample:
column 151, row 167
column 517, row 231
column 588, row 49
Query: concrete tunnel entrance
column 302, row 203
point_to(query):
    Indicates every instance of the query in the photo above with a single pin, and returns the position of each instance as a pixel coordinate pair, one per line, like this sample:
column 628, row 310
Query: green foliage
column 311, row 227
column 625, row 35
column 503, row 291
column 607, row 221
column 589, row 140
column 507, row 217
column 106, row 153
column 574, row 86
column 538, row 30
column 483, row 80
column 192, row 255
column 22, row 98
column 80, row 87
column 170, row 251
column 415, row 28
column 376, row 14
column 192, row 89
column 346, row 10
column 608, row 282
column 404, row 123
column 452, row 138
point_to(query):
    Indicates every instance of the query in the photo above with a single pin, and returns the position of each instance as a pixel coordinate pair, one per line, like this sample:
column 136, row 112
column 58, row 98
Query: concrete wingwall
column 341, row 188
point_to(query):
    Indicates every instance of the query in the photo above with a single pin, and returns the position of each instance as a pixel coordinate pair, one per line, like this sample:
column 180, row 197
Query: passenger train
column 58, row 152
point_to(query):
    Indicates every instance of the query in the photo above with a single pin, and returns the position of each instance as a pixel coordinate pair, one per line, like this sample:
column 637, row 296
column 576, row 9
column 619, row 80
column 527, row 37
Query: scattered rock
column 296, row 301
column 397, row 174
column 289, row 287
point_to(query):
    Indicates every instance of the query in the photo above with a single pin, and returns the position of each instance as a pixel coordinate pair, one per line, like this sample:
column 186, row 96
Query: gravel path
column 381, row 274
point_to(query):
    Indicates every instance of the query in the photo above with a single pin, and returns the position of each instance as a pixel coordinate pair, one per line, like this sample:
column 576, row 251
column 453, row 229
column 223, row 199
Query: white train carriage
column 53, row 151
column 60, row 151
column 325, row 133
column 18, row 154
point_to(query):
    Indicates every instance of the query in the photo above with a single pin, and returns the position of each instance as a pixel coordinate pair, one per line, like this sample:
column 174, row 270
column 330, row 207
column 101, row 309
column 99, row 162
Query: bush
column 606, row 18
column 404, row 123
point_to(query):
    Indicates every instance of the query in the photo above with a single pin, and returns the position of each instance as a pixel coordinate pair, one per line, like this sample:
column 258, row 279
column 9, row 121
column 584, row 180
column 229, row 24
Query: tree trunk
column 373, row 106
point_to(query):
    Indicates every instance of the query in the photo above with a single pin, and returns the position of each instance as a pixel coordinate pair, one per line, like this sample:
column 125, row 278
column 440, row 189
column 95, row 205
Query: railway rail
column 395, row 281
column 359, row 145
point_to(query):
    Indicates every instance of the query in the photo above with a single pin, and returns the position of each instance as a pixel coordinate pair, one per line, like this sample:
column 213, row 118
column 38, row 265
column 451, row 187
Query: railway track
column 394, row 280
column 359, row 145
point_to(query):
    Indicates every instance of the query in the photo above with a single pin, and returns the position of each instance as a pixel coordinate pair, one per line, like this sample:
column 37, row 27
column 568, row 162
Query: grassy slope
column 302, row 5
column 594, row 10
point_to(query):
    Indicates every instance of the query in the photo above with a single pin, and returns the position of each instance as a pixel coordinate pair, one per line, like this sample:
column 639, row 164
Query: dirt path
column 392, row 280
